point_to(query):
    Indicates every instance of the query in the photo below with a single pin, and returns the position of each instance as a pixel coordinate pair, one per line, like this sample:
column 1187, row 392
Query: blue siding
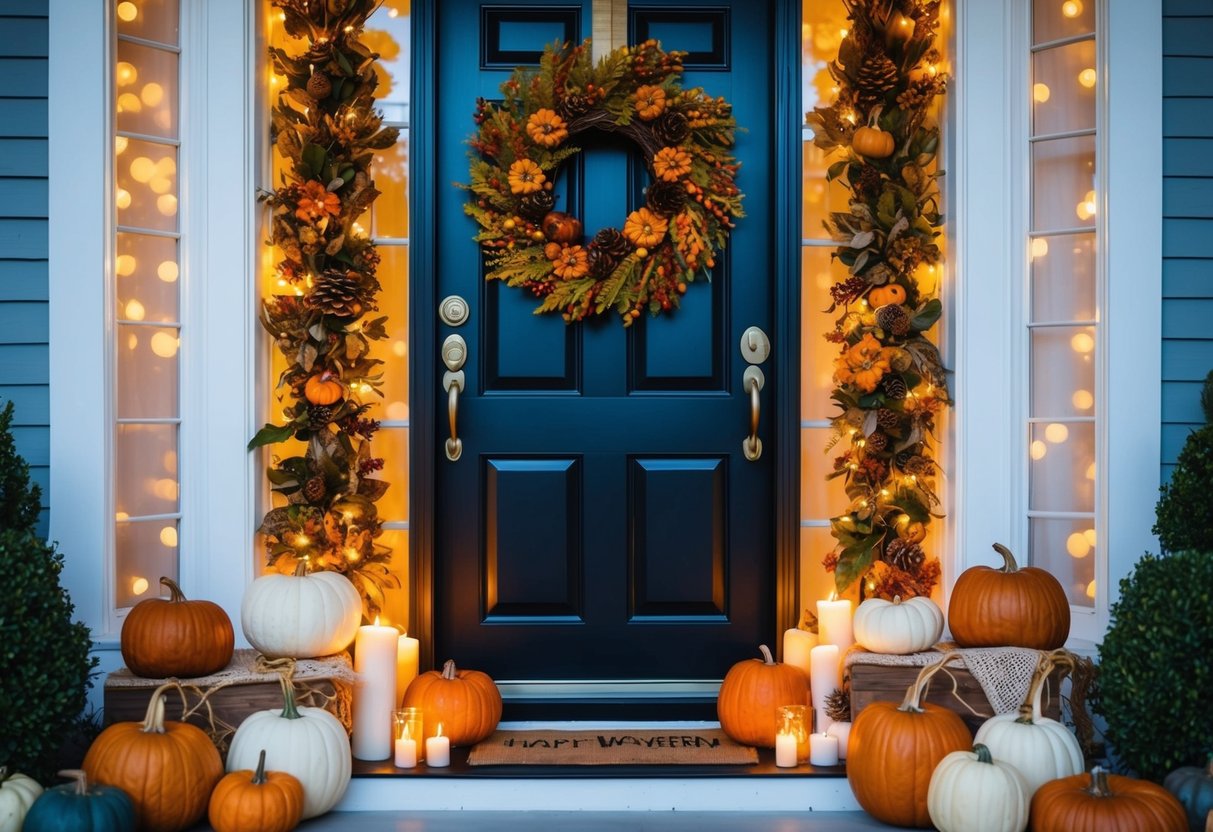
column 1187, row 269
column 24, row 372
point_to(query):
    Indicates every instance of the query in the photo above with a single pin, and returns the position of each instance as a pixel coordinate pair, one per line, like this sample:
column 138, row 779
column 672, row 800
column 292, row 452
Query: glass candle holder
column 409, row 736
column 794, row 720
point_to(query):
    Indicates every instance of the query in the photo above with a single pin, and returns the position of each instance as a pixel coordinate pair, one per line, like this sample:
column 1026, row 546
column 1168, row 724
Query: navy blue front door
column 602, row 522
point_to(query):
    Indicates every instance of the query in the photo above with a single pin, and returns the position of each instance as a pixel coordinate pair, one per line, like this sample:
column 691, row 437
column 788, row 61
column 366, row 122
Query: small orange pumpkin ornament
column 466, row 702
column 1009, row 607
column 873, row 143
column 1102, row 802
column 323, row 389
column 256, row 801
column 884, row 295
column 750, row 693
column 560, row 227
column 176, row 637
column 167, row 768
column 893, row 751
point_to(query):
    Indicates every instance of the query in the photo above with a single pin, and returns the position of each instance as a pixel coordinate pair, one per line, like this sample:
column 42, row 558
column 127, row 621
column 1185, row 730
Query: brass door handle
column 753, row 381
column 453, row 382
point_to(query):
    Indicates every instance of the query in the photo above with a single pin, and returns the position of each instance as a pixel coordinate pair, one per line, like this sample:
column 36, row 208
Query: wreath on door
column 690, row 205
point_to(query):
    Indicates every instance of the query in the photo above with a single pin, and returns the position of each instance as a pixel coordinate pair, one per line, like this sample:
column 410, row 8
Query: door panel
column 602, row 522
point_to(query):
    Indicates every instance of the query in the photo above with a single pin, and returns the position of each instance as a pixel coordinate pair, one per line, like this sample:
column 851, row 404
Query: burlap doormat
column 676, row 746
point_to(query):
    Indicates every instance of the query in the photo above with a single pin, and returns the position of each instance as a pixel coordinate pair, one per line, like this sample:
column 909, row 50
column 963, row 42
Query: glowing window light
column 1091, row 471
column 166, row 204
column 168, row 271
column 122, row 516
column 398, row 411
column 168, row 536
column 1057, row 433
column 152, row 94
column 122, row 198
column 166, row 488
column 128, row 102
column 1091, row 590
column 126, row 73
column 120, row 144
column 1038, row 449
column 160, row 185
column 1083, row 400
column 142, row 169
column 127, row 11
column 400, row 348
column 1040, row 93
column 1082, row 343
column 166, row 166
column 1071, row 8
column 1040, row 247
column 1077, row 545
column 132, row 341
column 165, row 345
column 1086, row 209
column 1087, row 78
column 1089, row 534
column 125, row 264
column 134, row 310
column 139, row 586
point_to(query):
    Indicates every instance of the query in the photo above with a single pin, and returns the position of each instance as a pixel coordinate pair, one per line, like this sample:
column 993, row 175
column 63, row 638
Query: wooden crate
column 887, row 683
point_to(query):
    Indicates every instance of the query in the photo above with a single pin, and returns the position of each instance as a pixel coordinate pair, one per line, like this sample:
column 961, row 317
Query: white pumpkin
column 17, row 794
column 898, row 627
column 301, row 616
column 1042, row 749
column 972, row 792
column 309, row 743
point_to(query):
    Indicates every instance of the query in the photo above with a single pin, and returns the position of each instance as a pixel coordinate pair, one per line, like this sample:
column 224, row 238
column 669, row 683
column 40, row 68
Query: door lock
column 454, row 352
column 755, row 345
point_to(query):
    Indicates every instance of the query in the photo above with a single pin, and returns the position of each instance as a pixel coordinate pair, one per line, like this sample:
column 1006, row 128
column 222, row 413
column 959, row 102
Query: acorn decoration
column 560, row 227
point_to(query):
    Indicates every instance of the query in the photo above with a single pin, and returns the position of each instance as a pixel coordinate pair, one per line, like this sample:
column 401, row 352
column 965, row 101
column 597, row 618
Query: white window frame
column 988, row 190
column 222, row 361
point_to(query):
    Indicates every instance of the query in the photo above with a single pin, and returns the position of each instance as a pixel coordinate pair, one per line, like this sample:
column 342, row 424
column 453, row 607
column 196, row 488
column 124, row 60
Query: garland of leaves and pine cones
column 890, row 381
column 684, row 136
column 327, row 131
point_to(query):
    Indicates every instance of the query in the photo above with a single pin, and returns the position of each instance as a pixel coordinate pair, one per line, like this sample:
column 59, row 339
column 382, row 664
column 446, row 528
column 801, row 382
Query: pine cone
column 666, row 198
column 918, row 465
column 314, row 490
column 893, row 319
column 612, row 241
column 876, row 76
column 917, row 95
column 536, row 205
column 319, row 86
column 906, row 556
column 600, row 262
column 337, row 293
column 888, row 419
column 838, row 705
column 894, row 386
column 572, row 105
column 317, row 417
column 877, row 441
column 868, row 184
column 671, row 127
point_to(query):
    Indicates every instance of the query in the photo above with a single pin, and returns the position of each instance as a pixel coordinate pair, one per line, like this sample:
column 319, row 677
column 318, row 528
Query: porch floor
column 593, row 822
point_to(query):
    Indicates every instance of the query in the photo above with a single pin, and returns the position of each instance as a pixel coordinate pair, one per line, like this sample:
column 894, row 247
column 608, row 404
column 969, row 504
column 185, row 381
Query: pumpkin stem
column 153, row 720
column 301, row 568
column 1008, row 559
column 1099, row 783
column 175, row 593
column 1029, row 710
column 259, row 774
column 896, row 600
column 79, row 777
column 916, row 691
column 983, row 754
column 767, row 658
column 289, row 709
column 448, row 669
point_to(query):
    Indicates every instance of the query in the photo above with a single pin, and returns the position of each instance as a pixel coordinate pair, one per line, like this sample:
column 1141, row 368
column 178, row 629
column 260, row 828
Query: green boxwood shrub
column 1185, row 510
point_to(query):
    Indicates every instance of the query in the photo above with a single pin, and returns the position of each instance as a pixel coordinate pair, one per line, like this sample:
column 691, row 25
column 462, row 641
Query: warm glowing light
column 164, row 118
column 127, row 74
column 393, row 12
column 165, row 345
column 168, row 536
column 1057, row 433
column 161, row 185
column 152, row 94
column 1071, row 8
column 167, row 271
column 120, row 144
column 166, row 488
column 125, row 264
column 132, row 341
column 1091, row 471
column 1040, row 247
column 166, row 166
column 134, row 310
column 400, row 348
column 1083, row 400
column 128, row 102
column 302, row 540
column 1089, row 534
column 398, row 411
column 166, row 204
column 1082, row 342
column 169, row 460
column 1091, row 589
column 351, row 554
column 1040, row 92
column 439, row 724
column 143, row 169
column 123, row 199
column 1087, row 78
column 1077, row 545
column 139, row 586
column 127, row 11
column 842, row 33
column 122, row 516
column 1038, row 449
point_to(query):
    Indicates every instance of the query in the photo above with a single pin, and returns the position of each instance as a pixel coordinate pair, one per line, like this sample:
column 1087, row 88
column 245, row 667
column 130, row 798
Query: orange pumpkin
column 167, row 768
column 873, row 142
column 750, row 693
column 466, row 702
column 256, row 800
column 893, row 751
column 176, row 637
column 560, row 227
column 884, row 295
column 1009, row 607
column 323, row 389
column 1102, row 802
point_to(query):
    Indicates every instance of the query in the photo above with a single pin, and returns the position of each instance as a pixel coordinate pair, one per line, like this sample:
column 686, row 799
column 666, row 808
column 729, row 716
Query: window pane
column 396, row 607
column 145, row 470
column 394, row 302
column 815, row 583
column 820, row 197
column 1066, row 548
column 1063, row 467
column 1055, row 19
column 146, row 191
column 147, row 272
column 392, row 445
column 391, row 209
column 145, row 552
column 1063, row 371
column 1063, row 183
column 388, row 32
column 1063, row 88
column 819, row 499
column 146, row 95
column 149, row 19
column 818, row 272
column 1063, row 277
column 147, row 372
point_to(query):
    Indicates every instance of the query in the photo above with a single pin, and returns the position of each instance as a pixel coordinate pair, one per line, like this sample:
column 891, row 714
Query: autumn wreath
column 684, row 136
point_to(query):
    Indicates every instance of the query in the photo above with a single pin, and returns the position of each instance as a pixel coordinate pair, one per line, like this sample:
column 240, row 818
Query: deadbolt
column 454, row 352
column 453, row 310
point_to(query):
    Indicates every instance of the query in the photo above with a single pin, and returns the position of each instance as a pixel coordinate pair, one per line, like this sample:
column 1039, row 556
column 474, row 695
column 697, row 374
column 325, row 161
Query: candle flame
column 439, row 731
column 406, row 735
column 833, row 596
column 376, row 621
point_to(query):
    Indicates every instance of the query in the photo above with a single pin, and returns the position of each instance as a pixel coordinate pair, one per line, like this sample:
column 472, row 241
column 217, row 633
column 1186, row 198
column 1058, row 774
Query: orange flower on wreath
column 863, row 364
column 670, row 163
column 525, row 177
column 317, row 202
column 546, row 128
column 644, row 228
column 571, row 263
column 650, row 102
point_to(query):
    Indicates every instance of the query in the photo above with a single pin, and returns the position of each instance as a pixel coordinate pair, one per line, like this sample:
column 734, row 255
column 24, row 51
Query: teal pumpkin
column 81, row 806
column 1194, row 788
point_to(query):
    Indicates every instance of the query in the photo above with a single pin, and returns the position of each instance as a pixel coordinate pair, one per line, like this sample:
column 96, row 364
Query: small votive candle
column 785, row 750
column 842, row 732
column 438, row 750
column 409, row 730
column 823, row 750
column 794, row 720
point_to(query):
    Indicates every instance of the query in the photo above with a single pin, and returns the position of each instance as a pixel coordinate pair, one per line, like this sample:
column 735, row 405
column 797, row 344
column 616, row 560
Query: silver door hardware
column 453, row 310
column 755, row 345
column 452, row 381
column 752, row 381
column 454, row 352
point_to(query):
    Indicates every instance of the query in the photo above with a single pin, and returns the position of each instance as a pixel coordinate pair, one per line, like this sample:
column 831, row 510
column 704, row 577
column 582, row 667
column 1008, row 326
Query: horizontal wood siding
column 24, row 369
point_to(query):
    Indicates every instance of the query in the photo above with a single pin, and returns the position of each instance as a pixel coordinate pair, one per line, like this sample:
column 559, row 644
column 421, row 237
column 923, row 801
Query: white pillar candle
column 825, row 676
column 821, row 720
column 375, row 666
column 407, row 652
column 842, row 732
column 834, row 622
column 438, row 750
column 823, row 750
column 785, row 750
column 797, row 644
column 406, row 752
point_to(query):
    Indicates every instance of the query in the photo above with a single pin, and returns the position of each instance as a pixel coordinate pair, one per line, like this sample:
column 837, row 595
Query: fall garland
column 890, row 381
column 327, row 132
column 684, row 136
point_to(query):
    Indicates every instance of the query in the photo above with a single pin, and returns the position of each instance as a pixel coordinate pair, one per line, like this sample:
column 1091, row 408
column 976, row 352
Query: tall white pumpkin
column 17, row 794
column 898, row 627
column 970, row 792
column 301, row 616
column 309, row 743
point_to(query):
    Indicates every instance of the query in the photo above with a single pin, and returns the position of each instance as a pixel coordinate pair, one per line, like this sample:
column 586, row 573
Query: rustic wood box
column 887, row 683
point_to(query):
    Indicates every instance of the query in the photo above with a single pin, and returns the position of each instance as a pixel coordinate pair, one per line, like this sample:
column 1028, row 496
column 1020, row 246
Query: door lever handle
column 453, row 382
column 752, row 381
